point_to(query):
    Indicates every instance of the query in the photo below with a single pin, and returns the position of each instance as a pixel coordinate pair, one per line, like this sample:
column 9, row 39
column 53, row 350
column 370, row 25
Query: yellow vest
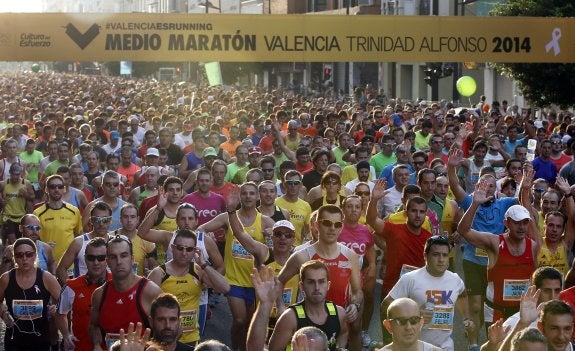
column 557, row 260
column 187, row 290
column 238, row 261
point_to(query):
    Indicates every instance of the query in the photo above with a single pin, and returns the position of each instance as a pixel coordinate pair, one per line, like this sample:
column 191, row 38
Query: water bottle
column 430, row 305
column 531, row 146
column 8, row 320
column 375, row 345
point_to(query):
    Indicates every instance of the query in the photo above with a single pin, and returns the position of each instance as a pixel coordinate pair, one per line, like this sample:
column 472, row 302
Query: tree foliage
column 542, row 83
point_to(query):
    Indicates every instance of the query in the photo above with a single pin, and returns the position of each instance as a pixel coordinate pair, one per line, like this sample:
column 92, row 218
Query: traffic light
column 327, row 73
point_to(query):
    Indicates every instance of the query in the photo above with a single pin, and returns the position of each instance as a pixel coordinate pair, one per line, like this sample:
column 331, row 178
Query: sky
column 20, row 5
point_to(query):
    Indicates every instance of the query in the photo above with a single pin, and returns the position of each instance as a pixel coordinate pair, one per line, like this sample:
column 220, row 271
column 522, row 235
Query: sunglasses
column 32, row 227
column 27, row 254
column 56, row 186
column 101, row 219
column 184, row 248
column 332, row 182
column 328, row 223
column 403, row 321
column 539, row 190
column 439, row 239
column 362, row 193
column 92, row 258
column 286, row 235
column 293, row 182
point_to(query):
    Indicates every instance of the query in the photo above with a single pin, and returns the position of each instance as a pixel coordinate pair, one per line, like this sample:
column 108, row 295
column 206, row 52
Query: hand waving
column 379, row 189
column 454, row 157
column 480, row 193
column 528, row 309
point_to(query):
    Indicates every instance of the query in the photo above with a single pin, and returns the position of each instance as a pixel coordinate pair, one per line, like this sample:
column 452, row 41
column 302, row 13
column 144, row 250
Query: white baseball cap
column 283, row 224
column 517, row 213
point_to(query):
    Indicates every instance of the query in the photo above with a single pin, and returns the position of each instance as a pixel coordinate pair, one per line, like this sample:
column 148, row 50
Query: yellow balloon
column 466, row 86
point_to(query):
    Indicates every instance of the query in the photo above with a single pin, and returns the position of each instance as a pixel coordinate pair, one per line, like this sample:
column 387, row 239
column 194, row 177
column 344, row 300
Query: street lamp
column 434, row 71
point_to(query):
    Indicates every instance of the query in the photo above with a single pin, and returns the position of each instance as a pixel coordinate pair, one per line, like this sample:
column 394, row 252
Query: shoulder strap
column 299, row 311
column 331, row 308
column 160, row 218
column 143, row 315
column 166, row 275
column 104, row 293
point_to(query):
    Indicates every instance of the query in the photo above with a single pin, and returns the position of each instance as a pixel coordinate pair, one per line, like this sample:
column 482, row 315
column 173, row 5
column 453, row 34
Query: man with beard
column 268, row 207
column 165, row 323
column 314, row 310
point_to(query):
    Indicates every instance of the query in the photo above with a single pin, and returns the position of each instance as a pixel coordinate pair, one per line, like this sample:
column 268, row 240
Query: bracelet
column 357, row 305
column 204, row 265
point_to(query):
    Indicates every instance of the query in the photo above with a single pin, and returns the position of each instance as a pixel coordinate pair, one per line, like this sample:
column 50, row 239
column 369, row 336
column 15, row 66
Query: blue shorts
column 244, row 293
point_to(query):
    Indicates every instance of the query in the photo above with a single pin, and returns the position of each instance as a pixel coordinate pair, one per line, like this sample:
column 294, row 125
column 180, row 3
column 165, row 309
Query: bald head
column 402, row 307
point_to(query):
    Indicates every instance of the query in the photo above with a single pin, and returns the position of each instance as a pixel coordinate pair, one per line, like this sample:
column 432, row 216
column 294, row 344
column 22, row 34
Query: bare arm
column 156, row 275
column 50, row 259
column 291, row 267
column 352, row 310
column 283, row 331
column 267, row 290
column 478, row 239
column 528, row 313
column 372, row 217
column 146, row 232
column 220, row 221
column 67, row 259
column 289, row 154
column 343, row 336
column 563, row 186
column 370, row 258
column 214, row 255
column 455, row 159
column 94, row 326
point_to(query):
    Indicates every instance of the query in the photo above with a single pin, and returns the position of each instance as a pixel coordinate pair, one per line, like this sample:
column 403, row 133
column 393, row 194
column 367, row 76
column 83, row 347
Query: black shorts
column 9, row 227
column 475, row 278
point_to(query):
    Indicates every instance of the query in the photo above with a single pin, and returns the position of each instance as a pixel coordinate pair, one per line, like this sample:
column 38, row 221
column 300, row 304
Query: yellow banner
column 284, row 38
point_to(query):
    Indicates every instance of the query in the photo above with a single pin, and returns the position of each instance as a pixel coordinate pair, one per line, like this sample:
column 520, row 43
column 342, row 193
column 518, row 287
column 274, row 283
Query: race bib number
column 442, row 318
column 286, row 296
column 189, row 320
column 110, row 339
column 238, row 251
column 27, row 310
column 481, row 252
column 513, row 288
column 406, row 268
